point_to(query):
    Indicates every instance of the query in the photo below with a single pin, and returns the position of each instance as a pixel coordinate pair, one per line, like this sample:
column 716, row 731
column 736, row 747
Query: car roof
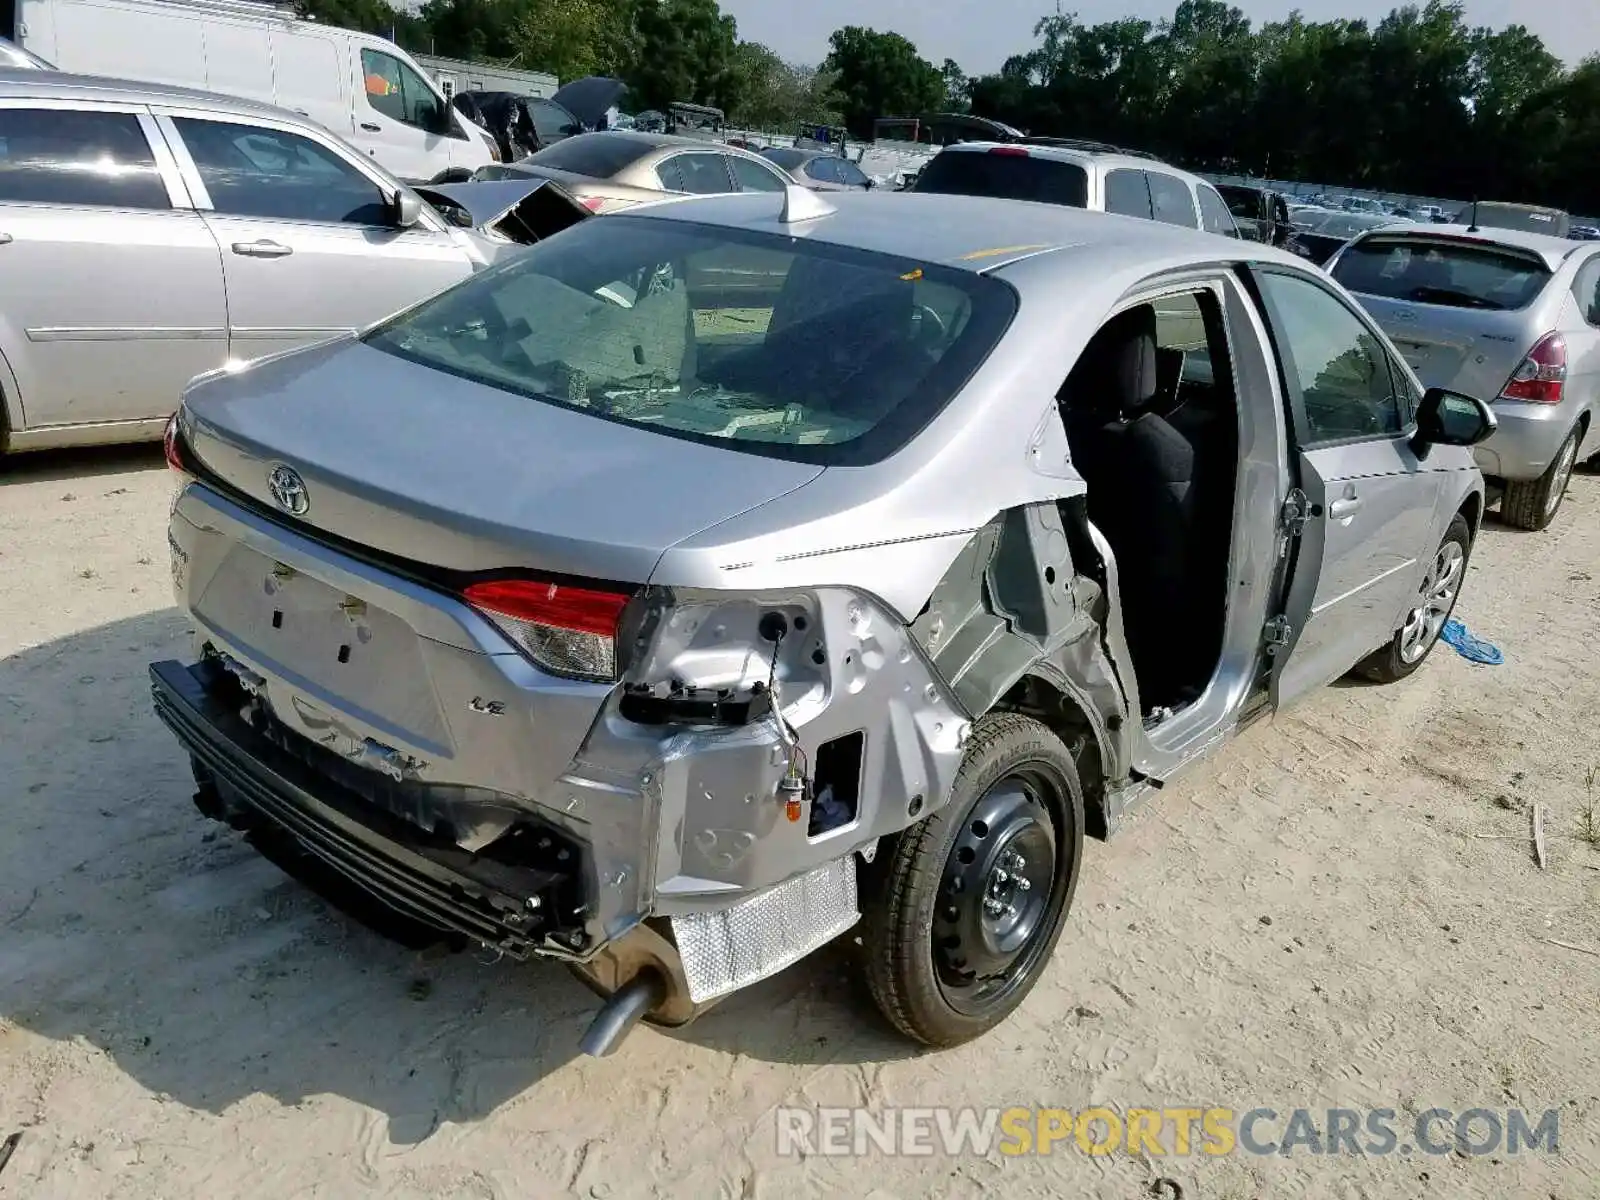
column 1105, row 158
column 970, row 233
column 59, row 85
column 1554, row 250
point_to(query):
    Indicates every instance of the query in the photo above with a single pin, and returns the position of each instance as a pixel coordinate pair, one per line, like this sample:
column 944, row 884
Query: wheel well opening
column 1066, row 718
column 1472, row 510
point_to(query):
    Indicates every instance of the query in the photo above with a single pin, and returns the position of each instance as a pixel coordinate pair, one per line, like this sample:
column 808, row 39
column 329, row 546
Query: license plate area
column 348, row 653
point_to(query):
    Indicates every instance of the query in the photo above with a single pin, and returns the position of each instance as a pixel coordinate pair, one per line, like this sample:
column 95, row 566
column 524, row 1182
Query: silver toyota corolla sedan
column 150, row 233
column 712, row 577
column 1510, row 316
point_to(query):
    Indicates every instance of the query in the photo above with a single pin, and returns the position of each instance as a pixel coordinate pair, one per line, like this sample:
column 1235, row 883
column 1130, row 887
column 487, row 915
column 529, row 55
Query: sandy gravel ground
column 1342, row 909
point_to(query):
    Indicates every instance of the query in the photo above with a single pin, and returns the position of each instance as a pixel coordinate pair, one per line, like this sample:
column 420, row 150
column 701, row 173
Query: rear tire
column 1409, row 648
column 1533, row 503
column 960, row 921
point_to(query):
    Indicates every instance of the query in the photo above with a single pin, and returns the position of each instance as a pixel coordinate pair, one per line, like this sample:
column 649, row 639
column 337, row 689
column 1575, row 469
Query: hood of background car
column 444, row 472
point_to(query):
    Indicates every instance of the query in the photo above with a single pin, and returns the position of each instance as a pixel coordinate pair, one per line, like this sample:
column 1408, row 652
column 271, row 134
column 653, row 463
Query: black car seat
column 1140, row 471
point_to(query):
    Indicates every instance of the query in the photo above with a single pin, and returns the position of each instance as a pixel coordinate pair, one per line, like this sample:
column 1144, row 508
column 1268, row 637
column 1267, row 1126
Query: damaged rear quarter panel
column 707, row 795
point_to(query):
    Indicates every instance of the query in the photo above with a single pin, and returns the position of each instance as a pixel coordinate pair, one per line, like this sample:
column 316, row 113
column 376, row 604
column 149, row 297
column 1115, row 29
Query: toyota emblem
column 289, row 490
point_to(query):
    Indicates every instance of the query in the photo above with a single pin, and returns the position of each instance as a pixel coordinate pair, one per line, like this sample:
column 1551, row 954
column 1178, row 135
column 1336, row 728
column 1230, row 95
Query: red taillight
column 172, row 446
column 1541, row 378
column 564, row 629
column 593, row 203
column 1009, row 151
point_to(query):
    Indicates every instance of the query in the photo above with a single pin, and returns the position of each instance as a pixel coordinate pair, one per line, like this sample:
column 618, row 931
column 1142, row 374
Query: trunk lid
column 430, row 468
column 1465, row 350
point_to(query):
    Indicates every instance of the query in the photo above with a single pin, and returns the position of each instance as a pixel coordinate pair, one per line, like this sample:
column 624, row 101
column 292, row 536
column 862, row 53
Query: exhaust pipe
column 622, row 1012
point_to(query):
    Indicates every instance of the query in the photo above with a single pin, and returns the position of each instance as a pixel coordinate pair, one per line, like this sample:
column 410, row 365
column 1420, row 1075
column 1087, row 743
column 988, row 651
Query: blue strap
column 1471, row 648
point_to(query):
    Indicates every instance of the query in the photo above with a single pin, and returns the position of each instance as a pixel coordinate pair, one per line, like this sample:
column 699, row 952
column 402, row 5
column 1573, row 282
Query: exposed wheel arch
column 1052, row 700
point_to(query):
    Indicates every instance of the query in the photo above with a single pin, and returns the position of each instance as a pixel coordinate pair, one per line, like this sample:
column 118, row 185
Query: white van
column 364, row 88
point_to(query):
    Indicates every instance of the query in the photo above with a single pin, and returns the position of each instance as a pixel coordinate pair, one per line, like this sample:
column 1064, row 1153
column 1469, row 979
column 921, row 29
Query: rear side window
column 1214, row 214
column 1586, row 291
column 1170, row 200
column 1127, row 193
column 1005, row 176
column 697, row 174
column 1434, row 271
column 753, row 177
column 254, row 172
column 61, row 156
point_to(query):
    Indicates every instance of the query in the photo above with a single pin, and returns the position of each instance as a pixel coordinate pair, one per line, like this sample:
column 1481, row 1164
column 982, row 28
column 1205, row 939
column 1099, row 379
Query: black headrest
column 1117, row 372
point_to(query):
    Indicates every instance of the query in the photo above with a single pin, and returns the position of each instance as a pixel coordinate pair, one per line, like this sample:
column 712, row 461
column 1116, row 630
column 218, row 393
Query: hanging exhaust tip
column 622, row 1012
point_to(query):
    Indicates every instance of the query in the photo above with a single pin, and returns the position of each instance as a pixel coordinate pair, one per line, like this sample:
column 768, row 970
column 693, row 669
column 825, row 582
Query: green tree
column 574, row 38
column 957, row 87
column 881, row 75
column 684, row 50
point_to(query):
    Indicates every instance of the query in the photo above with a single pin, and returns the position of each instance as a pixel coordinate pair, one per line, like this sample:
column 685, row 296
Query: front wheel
column 1435, row 601
column 1533, row 503
column 961, row 920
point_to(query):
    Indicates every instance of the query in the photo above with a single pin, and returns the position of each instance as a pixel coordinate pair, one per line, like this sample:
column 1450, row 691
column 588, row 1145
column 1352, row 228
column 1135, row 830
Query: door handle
column 370, row 127
column 1344, row 508
column 262, row 249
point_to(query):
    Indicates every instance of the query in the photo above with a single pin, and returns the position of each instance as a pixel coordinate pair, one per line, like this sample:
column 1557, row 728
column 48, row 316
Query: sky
column 982, row 36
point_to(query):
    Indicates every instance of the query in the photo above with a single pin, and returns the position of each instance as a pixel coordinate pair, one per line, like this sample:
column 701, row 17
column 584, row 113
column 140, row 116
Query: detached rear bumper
column 515, row 910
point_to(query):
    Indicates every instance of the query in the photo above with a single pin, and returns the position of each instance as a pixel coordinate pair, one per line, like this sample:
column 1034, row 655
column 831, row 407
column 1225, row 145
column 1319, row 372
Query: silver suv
column 1079, row 175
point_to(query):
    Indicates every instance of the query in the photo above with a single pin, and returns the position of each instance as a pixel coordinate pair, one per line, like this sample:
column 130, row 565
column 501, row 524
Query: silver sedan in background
column 148, row 234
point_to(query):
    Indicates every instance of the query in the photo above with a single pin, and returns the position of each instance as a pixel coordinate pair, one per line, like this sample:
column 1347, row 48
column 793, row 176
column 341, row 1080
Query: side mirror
column 1451, row 419
column 406, row 210
column 870, row 184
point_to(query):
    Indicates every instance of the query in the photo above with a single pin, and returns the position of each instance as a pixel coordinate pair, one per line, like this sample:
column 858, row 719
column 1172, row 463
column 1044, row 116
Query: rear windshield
column 779, row 346
column 598, row 155
column 1432, row 271
column 1007, row 175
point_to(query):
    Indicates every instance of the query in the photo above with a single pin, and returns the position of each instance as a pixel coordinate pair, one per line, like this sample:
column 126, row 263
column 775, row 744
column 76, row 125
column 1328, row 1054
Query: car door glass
column 73, row 156
column 753, row 177
column 1586, row 291
column 1338, row 365
column 398, row 92
column 1127, row 193
column 703, row 174
column 1215, row 216
column 255, row 172
column 1170, row 200
column 852, row 175
column 552, row 122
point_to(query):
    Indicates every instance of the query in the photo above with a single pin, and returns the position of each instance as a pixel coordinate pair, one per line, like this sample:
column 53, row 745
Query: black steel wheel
column 962, row 917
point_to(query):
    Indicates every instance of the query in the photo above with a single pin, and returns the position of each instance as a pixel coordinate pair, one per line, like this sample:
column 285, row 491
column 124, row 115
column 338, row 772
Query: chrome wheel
column 997, row 894
column 1438, row 596
column 1561, row 475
